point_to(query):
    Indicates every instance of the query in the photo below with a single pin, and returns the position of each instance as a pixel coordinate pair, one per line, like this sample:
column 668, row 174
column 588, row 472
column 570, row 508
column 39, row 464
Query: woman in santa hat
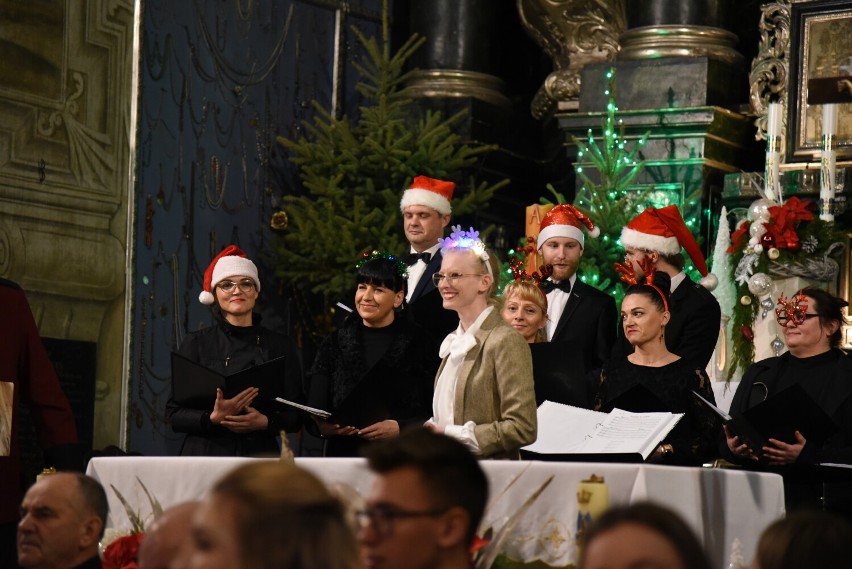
column 484, row 393
column 234, row 426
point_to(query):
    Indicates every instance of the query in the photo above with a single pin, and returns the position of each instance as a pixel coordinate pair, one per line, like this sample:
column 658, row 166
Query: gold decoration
column 279, row 220
column 745, row 300
column 770, row 69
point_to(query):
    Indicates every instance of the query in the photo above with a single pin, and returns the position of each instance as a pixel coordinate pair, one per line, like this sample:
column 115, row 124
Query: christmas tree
column 354, row 171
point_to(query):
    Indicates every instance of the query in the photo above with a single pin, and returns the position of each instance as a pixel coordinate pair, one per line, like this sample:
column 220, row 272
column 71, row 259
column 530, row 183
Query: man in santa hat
column 426, row 210
column 658, row 235
column 577, row 313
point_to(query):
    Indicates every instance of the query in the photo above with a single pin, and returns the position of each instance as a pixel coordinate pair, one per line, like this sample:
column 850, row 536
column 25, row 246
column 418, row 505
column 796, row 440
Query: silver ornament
column 759, row 209
column 766, row 304
column 760, row 284
column 756, row 229
column 777, row 346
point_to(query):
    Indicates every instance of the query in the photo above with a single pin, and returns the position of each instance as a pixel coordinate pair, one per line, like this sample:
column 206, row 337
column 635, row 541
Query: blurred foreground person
column 166, row 544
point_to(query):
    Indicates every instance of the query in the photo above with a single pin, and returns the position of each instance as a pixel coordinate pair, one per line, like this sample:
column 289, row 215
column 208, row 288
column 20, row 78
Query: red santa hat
column 664, row 231
column 430, row 192
column 231, row 262
column 565, row 220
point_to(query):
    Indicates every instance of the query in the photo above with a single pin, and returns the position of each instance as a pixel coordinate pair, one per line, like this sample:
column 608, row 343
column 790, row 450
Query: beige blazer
column 495, row 390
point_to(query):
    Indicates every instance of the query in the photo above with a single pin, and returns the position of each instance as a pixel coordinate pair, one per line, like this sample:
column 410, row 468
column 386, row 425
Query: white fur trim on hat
column 419, row 196
column 558, row 230
column 648, row 242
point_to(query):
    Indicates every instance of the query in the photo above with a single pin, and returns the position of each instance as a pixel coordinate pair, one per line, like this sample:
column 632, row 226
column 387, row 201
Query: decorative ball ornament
column 757, row 229
column 758, row 248
column 279, row 220
column 760, row 284
column 768, row 241
column 759, row 209
column 773, row 253
column 745, row 300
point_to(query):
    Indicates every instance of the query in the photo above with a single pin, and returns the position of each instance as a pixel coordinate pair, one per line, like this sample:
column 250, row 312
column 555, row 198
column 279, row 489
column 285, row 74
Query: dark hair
column 806, row 539
column 381, row 272
column 286, row 517
column 449, row 471
column 662, row 520
column 662, row 281
column 676, row 260
column 830, row 309
column 93, row 496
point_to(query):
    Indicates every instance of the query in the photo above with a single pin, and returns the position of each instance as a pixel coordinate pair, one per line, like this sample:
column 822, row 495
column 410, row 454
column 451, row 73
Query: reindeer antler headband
column 628, row 275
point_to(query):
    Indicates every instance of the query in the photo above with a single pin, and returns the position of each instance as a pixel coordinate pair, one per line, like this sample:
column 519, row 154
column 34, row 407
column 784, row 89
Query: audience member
column 657, row 235
column 425, row 504
column 375, row 373
column 484, row 394
column 426, row 210
column 236, row 341
column 805, row 540
column 167, row 543
column 577, row 314
column 271, row 515
column 641, row 535
column 811, row 322
column 62, row 520
column 525, row 310
column 27, row 378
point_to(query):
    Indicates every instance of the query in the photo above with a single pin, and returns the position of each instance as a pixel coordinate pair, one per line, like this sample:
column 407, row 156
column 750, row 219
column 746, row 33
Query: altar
column 727, row 508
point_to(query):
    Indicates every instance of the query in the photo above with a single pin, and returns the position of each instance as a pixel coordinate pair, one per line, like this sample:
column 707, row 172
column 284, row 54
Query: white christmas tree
column 725, row 292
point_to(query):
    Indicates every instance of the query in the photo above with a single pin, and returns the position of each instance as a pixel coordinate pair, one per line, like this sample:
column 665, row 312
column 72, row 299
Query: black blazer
column 427, row 306
column 588, row 322
column 693, row 328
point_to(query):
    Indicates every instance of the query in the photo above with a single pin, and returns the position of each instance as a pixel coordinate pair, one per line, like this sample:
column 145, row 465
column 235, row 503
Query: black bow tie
column 548, row 286
column 412, row 258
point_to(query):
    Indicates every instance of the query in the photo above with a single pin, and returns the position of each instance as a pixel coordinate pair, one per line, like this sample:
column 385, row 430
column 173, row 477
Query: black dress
column 364, row 376
column 228, row 349
column 694, row 439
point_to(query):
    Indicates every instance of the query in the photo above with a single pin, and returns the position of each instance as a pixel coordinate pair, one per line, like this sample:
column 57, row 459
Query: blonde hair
column 528, row 292
column 288, row 519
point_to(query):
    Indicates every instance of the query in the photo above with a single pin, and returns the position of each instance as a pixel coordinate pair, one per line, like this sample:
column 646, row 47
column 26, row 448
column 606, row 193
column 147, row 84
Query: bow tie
column 547, row 286
column 412, row 258
column 456, row 344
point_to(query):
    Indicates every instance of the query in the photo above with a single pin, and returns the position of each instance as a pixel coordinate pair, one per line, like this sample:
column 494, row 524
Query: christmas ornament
column 777, row 345
column 759, row 209
column 279, row 220
column 760, row 284
column 766, row 304
column 745, row 300
column 773, row 253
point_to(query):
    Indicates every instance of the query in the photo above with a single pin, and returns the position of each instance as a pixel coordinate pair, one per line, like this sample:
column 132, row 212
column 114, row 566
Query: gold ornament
column 745, row 300
column 279, row 220
column 773, row 253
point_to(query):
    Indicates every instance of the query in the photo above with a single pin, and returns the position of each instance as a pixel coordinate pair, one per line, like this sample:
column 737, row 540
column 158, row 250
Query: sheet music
column 562, row 427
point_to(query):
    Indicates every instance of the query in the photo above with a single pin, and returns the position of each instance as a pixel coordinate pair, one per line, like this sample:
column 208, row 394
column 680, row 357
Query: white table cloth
column 720, row 505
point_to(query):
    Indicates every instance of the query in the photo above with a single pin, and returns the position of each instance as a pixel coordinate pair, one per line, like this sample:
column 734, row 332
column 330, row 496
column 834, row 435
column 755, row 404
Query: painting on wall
column 32, row 40
column 820, row 48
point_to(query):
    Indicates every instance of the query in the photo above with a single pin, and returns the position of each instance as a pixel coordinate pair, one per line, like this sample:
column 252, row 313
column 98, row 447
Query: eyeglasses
column 781, row 316
column 382, row 518
column 246, row 285
column 452, row 278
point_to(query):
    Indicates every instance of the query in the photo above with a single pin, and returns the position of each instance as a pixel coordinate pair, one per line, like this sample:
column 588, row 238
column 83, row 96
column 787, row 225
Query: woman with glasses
column 812, row 321
column 236, row 341
column 484, row 393
column 375, row 373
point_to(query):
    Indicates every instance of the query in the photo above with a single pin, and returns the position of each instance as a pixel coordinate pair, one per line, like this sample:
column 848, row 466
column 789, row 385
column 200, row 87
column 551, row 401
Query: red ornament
column 768, row 241
column 748, row 333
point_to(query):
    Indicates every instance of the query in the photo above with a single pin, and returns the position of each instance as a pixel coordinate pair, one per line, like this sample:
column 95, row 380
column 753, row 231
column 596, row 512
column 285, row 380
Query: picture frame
column 819, row 48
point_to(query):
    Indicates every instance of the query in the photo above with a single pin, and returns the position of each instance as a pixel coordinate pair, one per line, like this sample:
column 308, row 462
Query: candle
column 828, row 159
column 772, row 186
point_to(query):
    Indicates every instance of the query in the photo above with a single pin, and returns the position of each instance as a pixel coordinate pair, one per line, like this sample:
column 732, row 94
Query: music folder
column 194, row 385
column 779, row 417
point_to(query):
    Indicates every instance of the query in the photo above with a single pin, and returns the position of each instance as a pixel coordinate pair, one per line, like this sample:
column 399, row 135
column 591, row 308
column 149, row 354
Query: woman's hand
column 251, row 420
column 434, row 427
column 327, row 429
column 738, row 448
column 226, row 408
column 779, row 453
column 382, row 430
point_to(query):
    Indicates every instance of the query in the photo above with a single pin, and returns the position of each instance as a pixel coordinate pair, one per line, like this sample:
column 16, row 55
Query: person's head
column 63, row 516
column 467, row 278
column 641, row 535
column 166, row 544
column 426, row 210
column 805, row 540
column 425, row 504
column 525, row 309
column 812, row 320
column 231, row 285
column 270, row 515
column 380, row 288
column 657, row 236
column 561, row 239
column 645, row 309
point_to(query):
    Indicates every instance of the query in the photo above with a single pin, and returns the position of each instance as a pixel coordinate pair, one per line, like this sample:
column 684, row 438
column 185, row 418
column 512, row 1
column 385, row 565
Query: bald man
column 166, row 544
column 62, row 520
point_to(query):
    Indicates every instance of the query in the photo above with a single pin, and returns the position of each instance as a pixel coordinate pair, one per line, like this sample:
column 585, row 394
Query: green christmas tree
column 354, row 170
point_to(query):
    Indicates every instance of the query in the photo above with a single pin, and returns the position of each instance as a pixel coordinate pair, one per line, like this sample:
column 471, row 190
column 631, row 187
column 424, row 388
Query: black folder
column 559, row 374
column 779, row 417
column 638, row 399
column 194, row 385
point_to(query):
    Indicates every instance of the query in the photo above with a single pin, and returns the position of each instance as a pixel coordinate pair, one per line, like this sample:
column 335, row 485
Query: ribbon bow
column 456, row 344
